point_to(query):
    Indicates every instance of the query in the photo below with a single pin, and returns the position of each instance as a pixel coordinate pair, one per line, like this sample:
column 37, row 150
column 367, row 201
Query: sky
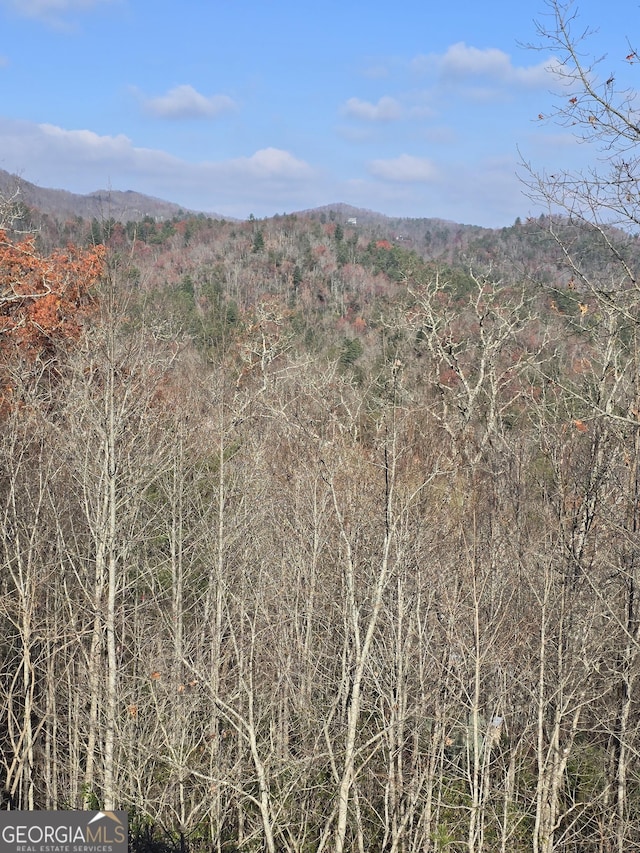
column 272, row 106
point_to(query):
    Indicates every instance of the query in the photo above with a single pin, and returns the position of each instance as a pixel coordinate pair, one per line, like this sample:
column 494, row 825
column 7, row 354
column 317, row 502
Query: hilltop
column 100, row 204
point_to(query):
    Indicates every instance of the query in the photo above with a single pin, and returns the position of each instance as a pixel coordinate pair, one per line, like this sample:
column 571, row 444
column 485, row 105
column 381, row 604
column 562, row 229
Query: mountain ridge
column 129, row 205
column 103, row 204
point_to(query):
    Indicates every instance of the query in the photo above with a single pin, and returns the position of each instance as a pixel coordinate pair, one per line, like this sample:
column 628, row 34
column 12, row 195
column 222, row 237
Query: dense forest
column 312, row 540
column 323, row 535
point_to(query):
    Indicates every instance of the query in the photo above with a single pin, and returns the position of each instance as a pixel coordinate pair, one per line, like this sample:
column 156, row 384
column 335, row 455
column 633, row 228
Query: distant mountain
column 101, row 204
column 400, row 228
column 129, row 206
column 341, row 212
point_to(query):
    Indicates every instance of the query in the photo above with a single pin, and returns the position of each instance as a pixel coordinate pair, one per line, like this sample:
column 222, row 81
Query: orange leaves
column 43, row 302
column 45, row 311
column 43, row 299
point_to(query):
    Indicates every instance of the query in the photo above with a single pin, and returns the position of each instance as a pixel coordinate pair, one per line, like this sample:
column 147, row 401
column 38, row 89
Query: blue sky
column 410, row 109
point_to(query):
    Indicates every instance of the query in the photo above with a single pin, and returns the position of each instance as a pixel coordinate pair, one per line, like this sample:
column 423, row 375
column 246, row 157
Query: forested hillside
column 312, row 540
column 323, row 535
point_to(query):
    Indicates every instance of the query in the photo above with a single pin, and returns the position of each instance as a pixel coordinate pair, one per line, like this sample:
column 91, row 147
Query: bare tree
column 599, row 207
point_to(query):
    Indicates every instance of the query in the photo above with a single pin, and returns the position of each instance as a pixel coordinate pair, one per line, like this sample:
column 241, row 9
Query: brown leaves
column 43, row 300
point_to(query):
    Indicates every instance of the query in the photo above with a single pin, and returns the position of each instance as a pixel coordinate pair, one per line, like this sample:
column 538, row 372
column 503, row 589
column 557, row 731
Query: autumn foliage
column 43, row 300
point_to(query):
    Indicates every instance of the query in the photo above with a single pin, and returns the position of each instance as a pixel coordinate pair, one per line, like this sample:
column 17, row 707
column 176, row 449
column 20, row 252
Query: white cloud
column 271, row 163
column 462, row 62
column 82, row 161
column 387, row 109
column 50, row 10
column 85, row 142
column 266, row 164
column 404, row 169
column 186, row 102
